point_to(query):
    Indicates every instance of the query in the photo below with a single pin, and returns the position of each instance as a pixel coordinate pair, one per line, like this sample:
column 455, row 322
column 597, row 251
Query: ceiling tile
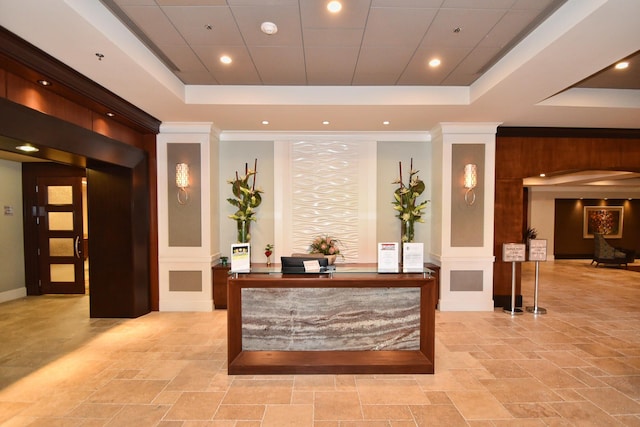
column 191, row 22
column 397, row 27
column 279, row 65
column 330, row 65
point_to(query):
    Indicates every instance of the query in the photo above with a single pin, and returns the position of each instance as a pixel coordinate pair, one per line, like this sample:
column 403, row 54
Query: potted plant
column 247, row 199
column 405, row 202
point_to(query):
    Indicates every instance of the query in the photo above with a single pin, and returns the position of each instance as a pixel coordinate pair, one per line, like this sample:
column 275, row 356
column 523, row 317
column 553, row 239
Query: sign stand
column 537, row 252
column 514, row 252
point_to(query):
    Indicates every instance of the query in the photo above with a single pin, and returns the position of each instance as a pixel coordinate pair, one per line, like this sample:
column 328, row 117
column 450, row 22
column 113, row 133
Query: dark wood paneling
column 525, row 152
column 24, row 59
column 508, row 229
column 220, row 274
column 53, row 134
column 569, row 241
column 118, row 241
column 32, row 95
column 67, row 121
column 3, row 83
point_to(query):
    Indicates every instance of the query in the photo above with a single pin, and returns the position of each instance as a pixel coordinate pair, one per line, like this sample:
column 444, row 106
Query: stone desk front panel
column 321, row 319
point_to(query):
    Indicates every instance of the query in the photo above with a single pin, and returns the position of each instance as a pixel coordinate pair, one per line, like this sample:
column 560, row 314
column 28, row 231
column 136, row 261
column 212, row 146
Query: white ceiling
column 529, row 86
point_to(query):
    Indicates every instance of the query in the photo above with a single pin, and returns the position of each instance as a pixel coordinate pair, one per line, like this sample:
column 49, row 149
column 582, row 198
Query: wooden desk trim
column 420, row 361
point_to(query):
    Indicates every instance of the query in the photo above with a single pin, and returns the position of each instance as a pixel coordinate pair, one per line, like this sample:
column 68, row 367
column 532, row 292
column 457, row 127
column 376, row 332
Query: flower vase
column 243, row 231
column 407, row 231
column 331, row 259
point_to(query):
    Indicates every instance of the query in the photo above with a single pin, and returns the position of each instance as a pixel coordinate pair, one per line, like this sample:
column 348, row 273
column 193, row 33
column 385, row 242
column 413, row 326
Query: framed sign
column 537, row 250
column 606, row 220
column 513, row 252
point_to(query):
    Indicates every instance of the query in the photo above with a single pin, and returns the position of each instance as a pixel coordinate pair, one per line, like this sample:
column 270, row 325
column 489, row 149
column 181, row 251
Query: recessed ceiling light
column 435, row 62
column 27, row 148
column 268, row 28
column 386, row 122
column 334, row 6
column 44, row 82
column 543, row 175
column 622, row 65
column 265, row 122
column 326, row 122
column 110, row 114
column 225, row 59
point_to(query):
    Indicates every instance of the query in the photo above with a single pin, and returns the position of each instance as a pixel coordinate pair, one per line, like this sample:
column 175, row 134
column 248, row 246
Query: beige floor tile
column 139, row 416
column 437, row 415
column 128, row 391
column 342, row 405
column 611, row 401
column 259, row 392
column 240, row 412
column 391, row 392
column 578, row 365
column 386, row 412
column 288, row 416
column 478, row 405
column 195, row 406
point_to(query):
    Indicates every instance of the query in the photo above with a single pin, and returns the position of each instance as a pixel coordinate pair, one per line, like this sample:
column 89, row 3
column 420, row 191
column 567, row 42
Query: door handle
column 77, row 246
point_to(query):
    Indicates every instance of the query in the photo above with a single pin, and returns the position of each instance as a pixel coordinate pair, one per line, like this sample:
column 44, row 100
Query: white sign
column 537, row 250
column 241, row 257
column 412, row 257
column 388, row 257
column 513, row 252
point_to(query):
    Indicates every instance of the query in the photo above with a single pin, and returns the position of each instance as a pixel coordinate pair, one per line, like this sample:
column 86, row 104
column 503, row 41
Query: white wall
column 12, row 280
column 241, row 148
column 542, row 205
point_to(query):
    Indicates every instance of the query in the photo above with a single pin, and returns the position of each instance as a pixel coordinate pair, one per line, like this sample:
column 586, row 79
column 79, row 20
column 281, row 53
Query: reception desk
column 351, row 321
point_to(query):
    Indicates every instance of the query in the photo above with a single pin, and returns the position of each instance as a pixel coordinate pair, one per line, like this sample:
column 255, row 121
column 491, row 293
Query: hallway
column 577, row 365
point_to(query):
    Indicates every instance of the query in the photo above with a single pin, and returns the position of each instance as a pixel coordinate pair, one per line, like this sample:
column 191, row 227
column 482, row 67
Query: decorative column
column 462, row 223
column 185, row 215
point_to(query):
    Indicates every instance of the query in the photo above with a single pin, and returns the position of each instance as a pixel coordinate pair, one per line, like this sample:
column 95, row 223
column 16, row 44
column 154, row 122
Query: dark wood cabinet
column 219, row 277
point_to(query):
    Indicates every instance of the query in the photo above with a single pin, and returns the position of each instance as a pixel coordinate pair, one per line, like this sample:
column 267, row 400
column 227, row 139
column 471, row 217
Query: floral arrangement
column 247, row 199
column 325, row 245
column 406, row 202
column 268, row 250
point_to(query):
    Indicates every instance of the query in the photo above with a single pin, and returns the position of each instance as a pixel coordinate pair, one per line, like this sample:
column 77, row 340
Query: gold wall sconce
column 182, row 182
column 470, row 182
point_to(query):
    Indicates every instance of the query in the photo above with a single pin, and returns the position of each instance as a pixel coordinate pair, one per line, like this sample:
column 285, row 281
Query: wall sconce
column 182, row 182
column 470, row 182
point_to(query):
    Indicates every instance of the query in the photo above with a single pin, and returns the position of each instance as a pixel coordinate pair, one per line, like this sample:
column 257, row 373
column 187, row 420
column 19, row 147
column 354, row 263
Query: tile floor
column 577, row 365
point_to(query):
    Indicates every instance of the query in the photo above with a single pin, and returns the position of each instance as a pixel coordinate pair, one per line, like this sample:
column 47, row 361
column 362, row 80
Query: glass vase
column 243, row 231
column 407, row 229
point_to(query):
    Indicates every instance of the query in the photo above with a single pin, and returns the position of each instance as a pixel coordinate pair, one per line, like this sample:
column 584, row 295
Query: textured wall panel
column 325, row 193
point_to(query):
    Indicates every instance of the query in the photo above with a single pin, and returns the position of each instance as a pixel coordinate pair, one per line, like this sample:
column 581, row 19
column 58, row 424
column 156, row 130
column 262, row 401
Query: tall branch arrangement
column 247, row 197
column 406, row 201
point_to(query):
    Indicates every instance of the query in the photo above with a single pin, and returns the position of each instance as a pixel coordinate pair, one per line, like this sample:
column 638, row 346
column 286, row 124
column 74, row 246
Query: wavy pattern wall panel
column 325, row 193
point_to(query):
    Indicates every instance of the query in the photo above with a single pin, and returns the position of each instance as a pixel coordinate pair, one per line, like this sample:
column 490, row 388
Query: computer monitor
column 295, row 264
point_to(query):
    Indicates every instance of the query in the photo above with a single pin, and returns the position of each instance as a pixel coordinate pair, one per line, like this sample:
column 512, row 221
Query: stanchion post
column 513, row 252
column 537, row 253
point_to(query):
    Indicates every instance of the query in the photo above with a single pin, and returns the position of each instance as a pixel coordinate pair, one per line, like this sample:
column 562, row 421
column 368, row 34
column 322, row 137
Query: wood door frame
column 68, row 122
column 30, row 173
column 526, row 152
